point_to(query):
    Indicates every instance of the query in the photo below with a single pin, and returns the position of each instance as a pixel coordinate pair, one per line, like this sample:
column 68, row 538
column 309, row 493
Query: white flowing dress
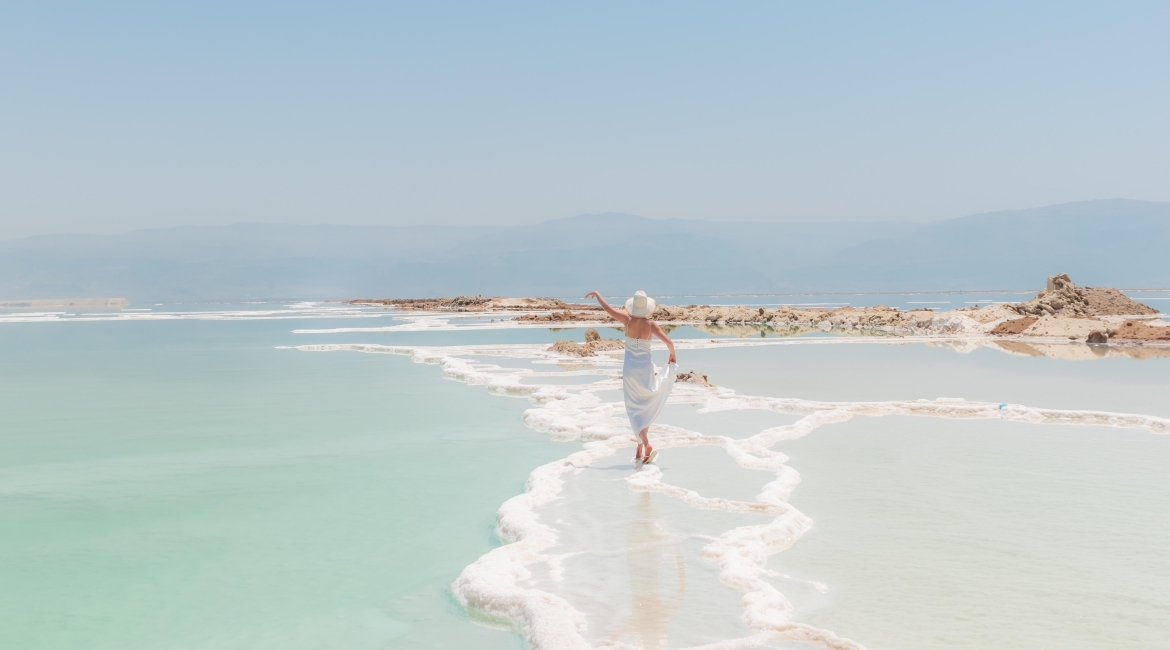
column 645, row 387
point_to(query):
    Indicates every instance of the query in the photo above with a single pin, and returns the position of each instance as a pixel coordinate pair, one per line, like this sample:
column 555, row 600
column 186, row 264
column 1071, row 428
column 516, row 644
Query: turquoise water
column 187, row 484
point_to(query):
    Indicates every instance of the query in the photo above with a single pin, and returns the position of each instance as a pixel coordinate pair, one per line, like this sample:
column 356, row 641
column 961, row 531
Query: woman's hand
column 620, row 316
column 672, row 358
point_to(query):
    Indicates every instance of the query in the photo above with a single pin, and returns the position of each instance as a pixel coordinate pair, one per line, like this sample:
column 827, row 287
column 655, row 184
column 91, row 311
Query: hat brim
column 640, row 313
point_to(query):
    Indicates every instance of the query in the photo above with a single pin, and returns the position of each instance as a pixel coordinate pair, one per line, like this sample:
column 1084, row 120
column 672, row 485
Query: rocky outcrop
column 1063, row 298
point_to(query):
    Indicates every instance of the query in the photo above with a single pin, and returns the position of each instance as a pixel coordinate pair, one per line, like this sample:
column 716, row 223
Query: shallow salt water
column 988, row 539
column 189, row 484
column 983, row 534
column 880, row 371
column 632, row 563
column 733, row 424
column 958, row 533
column 709, row 471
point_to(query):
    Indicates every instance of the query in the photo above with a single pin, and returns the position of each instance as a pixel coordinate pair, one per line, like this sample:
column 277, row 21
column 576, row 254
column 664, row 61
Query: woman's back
column 640, row 328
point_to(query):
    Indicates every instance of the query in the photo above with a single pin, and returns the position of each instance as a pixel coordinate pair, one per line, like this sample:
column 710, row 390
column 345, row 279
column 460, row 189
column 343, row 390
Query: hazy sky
column 124, row 115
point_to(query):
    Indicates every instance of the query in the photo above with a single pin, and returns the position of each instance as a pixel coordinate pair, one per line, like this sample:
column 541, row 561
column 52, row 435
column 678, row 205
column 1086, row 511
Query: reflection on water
column 652, row 549
column 1070, row 351
column 1081, row 351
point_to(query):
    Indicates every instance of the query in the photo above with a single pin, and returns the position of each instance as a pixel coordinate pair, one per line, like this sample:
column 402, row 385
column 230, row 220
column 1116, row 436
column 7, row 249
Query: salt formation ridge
column 495, row 586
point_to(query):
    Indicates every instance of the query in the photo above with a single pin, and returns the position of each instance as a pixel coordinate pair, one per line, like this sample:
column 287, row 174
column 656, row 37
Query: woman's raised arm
column 620, row 316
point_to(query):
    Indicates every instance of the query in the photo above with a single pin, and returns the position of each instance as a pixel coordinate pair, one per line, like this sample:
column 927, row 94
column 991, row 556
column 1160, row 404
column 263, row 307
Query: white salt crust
column 492, row 587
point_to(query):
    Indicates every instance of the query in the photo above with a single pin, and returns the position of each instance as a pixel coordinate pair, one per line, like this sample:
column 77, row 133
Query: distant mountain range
column 1115, row 242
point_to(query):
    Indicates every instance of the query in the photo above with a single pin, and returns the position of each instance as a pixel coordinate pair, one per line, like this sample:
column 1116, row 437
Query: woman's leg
column 644, row 448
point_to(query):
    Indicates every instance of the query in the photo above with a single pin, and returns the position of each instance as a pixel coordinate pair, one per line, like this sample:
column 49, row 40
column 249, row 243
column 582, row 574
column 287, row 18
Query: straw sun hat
column 640, row 306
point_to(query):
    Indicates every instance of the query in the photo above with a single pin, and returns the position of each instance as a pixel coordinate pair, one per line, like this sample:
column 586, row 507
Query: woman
column 645, row 388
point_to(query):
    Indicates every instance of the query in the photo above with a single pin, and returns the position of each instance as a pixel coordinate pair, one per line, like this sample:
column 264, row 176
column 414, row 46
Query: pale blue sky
column 126, row 115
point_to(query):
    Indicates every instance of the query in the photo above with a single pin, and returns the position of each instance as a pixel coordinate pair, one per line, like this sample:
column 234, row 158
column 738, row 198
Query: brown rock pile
column 693, row 377
column 1063, row 298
